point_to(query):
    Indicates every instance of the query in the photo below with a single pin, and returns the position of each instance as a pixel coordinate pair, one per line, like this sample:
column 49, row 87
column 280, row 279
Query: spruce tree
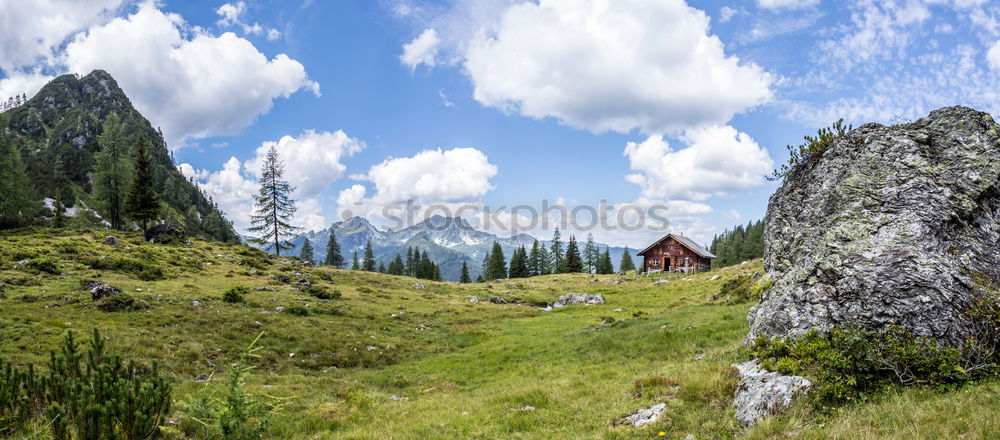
column 590, row 254
column 410, row 267
column 381, row 268
column 497, row 266
column 626, row 263
column 534, row 260
column 111, row 173
column 59, row 212
column 355, row 265
column 544, row 262
column 274, row 207
column 604, row 265
column 333, row 256
column 306, row 254
column 556, row 252
column 17, row 199
column 464, row 277
column 141, row 203
column 519, row 263
column 396, row 266
column 572, row 263
column 369, row 262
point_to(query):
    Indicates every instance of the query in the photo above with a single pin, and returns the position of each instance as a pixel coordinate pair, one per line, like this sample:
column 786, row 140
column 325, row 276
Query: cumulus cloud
column 718, row 161
column 459, row 175
column 27, row 83
column 191, row 83
column 312, row 160
column 591, row 65
column 31, row 30
column 422, row 50
column 993, row 56
column 233, row 15
column 786, row 4
column 228, row 188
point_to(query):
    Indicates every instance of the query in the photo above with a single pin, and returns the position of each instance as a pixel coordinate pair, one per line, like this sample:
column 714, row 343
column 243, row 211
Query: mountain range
column 449, row 241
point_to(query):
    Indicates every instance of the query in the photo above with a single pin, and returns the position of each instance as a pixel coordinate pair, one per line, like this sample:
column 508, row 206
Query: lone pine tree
column 141, row 203
column 306, row 254
column 274, row 207
column 626, row 263
column 572, row 263
column 333, row 256
column 369, row 262
column 111, row 173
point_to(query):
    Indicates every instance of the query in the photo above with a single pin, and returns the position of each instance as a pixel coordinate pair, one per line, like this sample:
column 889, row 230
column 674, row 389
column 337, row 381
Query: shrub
column 85, row 396
column 743, row 288
column 140, row 269
column 235, row 294
column 366, row 289
column 44, row 265
column 119, row 303
column 851, row 364
column 321, row 292
column 813, row 147
column 298, row 310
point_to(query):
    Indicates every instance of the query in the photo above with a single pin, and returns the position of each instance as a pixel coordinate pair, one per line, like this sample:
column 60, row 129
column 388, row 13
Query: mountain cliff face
column 448, row 241
column 57, row 132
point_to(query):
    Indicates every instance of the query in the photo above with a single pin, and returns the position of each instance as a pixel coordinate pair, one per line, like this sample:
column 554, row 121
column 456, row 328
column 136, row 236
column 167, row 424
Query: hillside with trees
column 78, row 138
column 742, row 243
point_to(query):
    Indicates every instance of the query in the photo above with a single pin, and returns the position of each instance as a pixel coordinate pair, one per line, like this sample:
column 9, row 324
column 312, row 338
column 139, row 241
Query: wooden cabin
column 675, row 253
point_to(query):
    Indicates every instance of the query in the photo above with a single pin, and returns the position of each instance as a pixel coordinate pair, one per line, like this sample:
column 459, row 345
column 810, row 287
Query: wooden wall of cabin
column 671, row 249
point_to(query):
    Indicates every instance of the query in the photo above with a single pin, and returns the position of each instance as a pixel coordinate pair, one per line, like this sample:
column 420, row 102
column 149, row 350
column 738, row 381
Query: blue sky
column 502, row 102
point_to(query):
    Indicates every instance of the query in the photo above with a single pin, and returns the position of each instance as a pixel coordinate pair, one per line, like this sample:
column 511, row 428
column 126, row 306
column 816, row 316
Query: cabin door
column 666, row 264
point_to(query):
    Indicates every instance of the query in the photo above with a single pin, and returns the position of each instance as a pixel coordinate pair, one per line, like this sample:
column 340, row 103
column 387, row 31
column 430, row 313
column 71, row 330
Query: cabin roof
column 686, row 242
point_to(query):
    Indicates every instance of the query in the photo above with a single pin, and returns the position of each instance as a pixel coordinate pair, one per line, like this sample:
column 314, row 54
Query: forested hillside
column 740, row 244
column 58, row 133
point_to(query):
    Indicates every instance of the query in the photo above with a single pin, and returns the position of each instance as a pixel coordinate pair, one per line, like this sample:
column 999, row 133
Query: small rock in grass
column 473, row 299
column 111, row 239
column 395, row 397
column 202, row 378
column 712, row 279
column 279, row 309
column 195, row 303
column 662, row 281
column 645, row 416
column 763, row 393
column 699, row 356
column 418, row 285
column 578, row 298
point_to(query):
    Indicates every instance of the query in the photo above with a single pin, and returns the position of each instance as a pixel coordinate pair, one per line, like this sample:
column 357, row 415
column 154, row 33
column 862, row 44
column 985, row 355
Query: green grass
column 460, row 369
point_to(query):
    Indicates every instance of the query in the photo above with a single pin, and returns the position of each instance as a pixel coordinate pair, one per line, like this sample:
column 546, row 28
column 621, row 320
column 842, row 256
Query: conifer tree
column 519, row 264
column 17, row 199
column 141, row 203
column 59, row 212
column 192, row 221
column 464, row 277
column 274, row 207
column 497, row 266
column 333, row 256
column 626, row 264
column 381, row 267
column 572, row 263
column 556, row 252
column 355, row 265
column 590, row 254
column 396, row 266
column 306, row 254
column 410, row 267
column 544, row 262
column 534, row 260
column 111, row 173
column 604, row 265
column 369, row 262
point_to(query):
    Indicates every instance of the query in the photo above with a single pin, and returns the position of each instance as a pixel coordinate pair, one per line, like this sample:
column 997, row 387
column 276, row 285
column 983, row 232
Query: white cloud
column 189, row 82
column 233, row 15
column 26, row 83
column 717, row 162
column 993, row 56
column 598, row 66
column 422, row 50
column 309, row 215
column 31, row 30
column 312, row 160
column 877, row 31
column 786, row 4
column 456, row 176
column 727, row 13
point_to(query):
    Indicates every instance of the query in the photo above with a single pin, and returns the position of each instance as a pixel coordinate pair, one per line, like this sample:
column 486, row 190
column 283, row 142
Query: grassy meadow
column 389, row 360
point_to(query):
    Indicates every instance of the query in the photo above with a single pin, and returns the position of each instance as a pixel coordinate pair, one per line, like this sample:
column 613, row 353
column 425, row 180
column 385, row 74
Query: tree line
column 417, row 263
column 538, row 260
column 740, row 244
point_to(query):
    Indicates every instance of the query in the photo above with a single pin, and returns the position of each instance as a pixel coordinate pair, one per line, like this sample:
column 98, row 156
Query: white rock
column 713, row 279
column 762, row 393
column 646, row 416
column 578, row 298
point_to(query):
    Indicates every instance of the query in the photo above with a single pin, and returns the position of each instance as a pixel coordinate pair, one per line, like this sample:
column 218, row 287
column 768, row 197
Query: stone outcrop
column 762, row 393
column 891, row 225
column 578, row 298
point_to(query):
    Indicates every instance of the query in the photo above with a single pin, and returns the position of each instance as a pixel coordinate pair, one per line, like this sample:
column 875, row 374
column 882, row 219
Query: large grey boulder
column 890, row 225
column 763, row 393
column 578, row 298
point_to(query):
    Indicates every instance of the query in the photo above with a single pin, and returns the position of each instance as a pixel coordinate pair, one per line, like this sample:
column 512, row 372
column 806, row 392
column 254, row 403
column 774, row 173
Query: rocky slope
column 890, row 225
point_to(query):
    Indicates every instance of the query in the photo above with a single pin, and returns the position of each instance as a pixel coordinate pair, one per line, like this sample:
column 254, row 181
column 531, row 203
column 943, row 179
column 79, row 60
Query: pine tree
column 369, row 261
column 544, row 262
column 111, row 173
column 534, row 260
column 59, row 212
column 355, row 265
column 306, row 254
column 464, row 277
column 274, row 207
column 497, row 266
column 626, row 263
column 381, row 267
column 604, row 265
column 17, row 199
column 141, row 203
column 519, row 264
column 572, row 263
column 591, row 254
column 396, row 266
column 410, row 267
column 556, row 253
column 333, row 256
